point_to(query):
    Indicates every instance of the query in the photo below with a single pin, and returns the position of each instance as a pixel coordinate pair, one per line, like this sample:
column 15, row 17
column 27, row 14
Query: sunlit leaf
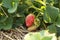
column 38, row 36
column 47, row 38
column 12, row 10
column 32, row 36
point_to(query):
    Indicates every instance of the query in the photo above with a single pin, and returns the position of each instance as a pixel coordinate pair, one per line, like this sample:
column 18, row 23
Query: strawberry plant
column 32, row 14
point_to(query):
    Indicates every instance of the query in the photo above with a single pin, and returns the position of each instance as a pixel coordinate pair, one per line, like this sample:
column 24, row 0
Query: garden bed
column 15, row 34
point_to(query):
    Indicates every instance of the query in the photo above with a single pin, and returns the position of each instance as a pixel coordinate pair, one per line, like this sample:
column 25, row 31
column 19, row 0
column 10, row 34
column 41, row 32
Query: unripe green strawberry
column 29, row 20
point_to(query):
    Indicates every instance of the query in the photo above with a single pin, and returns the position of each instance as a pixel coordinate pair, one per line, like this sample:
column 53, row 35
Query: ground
column 13, row 34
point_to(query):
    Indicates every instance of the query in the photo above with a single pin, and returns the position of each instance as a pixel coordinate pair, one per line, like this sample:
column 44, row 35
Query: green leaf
column 58, row 21
column 22, row 7
column 13, row 9
column 15, row 5
column 58, row 31
column 54, row 1
column 47, row 38
column 37, row 4
column 32, row 36
column 7, row 3
column 6, row 24
column 11, row 5
column 20, row 20
column 47, row 18
column 0, row 1
column 52, row 28
column 35, row 36
column 2, row 17
column 51, row 13
column 42, row 35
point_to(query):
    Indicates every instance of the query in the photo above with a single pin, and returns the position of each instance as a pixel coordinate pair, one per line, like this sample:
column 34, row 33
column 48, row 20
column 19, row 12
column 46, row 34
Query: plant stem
column 4, row 11
column 44, row 25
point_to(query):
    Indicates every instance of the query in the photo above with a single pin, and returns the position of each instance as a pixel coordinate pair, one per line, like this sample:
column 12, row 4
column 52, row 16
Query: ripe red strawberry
column 29, row 20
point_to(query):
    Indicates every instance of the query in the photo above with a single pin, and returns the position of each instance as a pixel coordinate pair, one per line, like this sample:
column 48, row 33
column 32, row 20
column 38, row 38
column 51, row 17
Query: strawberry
column 32, row 28
column 29, row 20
